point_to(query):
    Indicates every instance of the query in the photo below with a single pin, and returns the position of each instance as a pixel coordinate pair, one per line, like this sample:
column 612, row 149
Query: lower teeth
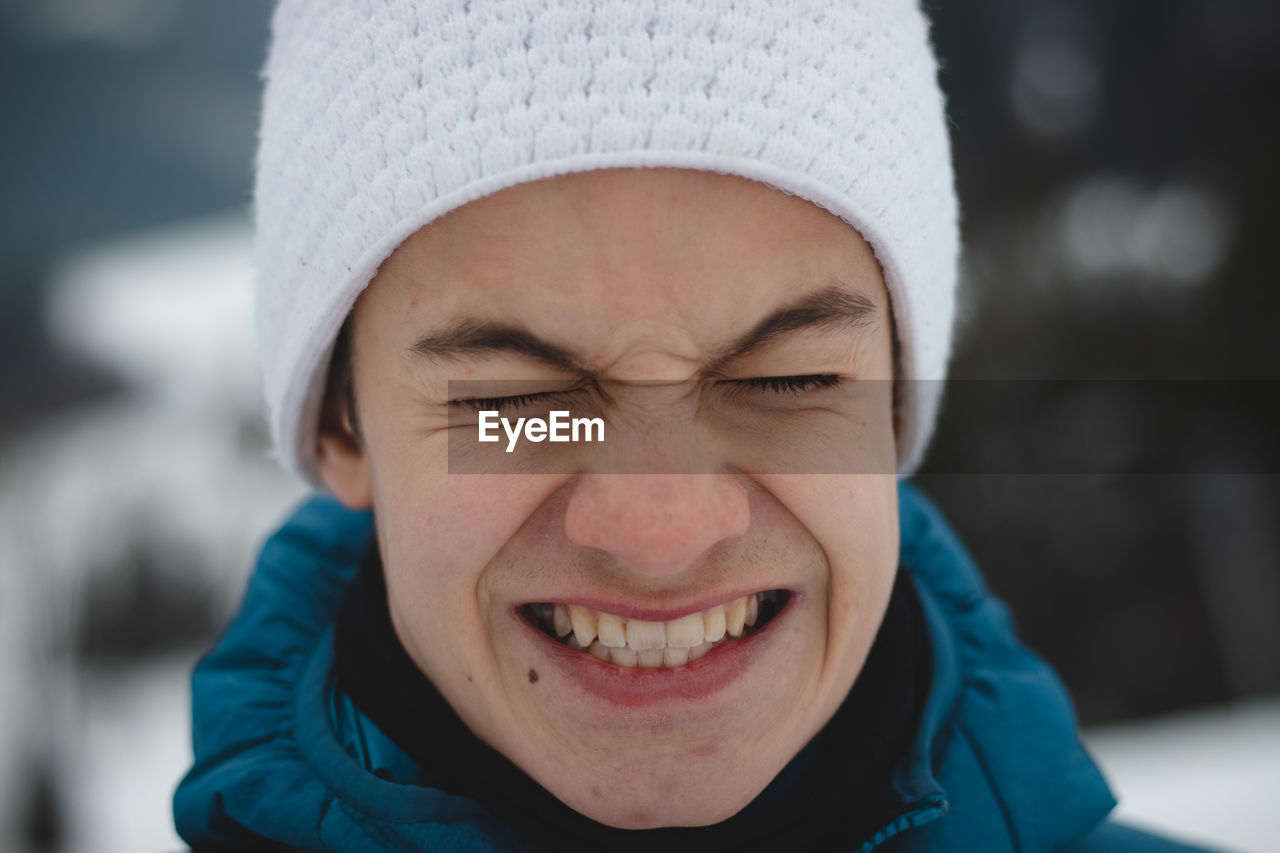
column 626, row 656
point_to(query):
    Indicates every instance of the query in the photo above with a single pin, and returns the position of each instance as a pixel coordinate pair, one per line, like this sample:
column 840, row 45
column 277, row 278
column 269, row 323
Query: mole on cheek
column 533, row 676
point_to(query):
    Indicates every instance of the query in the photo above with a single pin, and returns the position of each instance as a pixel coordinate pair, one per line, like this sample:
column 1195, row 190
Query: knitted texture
column 381, row 115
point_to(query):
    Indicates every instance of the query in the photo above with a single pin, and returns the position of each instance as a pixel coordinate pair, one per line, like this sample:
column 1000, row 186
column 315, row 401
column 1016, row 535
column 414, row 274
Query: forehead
column 673, row 256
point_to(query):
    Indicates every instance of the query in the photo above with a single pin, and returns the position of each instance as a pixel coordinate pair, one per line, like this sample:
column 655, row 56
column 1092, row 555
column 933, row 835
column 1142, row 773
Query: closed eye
column 575, row 397
column 795, row 385
column 515, row 401
column 790, row 384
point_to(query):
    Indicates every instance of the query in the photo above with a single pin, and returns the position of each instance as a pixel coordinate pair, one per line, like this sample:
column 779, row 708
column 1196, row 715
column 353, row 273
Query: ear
column 340, row 456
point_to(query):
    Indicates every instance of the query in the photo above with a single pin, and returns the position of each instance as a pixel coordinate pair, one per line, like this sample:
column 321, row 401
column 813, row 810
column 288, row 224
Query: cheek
column 854, row 520
column 439, row 536
column 863, row 580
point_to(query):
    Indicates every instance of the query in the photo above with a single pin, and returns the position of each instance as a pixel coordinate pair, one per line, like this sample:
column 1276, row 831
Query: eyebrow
column 478, row 337
column 834, row 306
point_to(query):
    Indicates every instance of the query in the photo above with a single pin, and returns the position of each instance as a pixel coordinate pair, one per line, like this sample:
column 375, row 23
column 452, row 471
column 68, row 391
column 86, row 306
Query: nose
column 656, row 524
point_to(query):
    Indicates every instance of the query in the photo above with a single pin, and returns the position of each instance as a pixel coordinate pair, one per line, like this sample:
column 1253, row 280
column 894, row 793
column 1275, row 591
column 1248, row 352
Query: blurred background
column 1117, row 168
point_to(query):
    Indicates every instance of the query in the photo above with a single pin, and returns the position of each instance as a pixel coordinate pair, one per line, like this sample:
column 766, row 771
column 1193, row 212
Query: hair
column 340, row 387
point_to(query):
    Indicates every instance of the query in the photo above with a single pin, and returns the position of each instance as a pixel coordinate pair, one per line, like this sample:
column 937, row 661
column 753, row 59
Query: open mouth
column 637, row 643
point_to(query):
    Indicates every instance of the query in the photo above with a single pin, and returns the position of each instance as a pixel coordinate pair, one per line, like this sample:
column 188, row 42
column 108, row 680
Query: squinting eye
column 770, row 384
column 791, row 384
column 516, row 401
column 575, row 397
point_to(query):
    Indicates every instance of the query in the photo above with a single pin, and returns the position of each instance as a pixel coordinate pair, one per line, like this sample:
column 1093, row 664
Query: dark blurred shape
column 42, row 817
column 1117, row 170
column 1113, row 427
column 35, row 377
column 144, row 609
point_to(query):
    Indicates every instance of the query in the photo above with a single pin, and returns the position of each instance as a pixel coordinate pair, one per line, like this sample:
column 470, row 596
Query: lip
column 634, row 687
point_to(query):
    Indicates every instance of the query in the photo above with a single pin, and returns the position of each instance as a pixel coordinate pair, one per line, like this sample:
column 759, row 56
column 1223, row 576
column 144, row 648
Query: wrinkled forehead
column 670, row 258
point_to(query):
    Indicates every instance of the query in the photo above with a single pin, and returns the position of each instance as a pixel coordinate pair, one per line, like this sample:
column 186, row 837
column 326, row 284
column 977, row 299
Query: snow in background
column 127, row 527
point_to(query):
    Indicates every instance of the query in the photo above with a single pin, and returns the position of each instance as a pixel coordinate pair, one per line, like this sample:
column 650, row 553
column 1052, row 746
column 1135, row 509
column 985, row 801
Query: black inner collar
column 840, row 793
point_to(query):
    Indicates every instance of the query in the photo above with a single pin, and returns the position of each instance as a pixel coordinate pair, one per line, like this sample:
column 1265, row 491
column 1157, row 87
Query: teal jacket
column 995, row 766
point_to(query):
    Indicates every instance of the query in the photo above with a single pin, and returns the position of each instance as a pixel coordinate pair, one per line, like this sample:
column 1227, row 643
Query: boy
column 727, row 232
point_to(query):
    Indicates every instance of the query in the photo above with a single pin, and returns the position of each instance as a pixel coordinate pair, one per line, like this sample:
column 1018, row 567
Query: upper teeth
column 636, row 642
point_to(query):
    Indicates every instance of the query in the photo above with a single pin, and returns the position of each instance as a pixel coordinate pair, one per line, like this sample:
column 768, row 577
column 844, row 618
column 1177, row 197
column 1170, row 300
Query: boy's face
column 633, row 279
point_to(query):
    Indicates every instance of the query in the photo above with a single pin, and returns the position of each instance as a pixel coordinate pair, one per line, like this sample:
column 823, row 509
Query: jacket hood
column 996, row 763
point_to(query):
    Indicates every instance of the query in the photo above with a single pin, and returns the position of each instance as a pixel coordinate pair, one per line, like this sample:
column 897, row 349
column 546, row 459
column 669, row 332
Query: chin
column 649, row 800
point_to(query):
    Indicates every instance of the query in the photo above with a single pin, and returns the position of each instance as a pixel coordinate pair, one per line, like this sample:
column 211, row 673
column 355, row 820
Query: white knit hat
column 381, row 115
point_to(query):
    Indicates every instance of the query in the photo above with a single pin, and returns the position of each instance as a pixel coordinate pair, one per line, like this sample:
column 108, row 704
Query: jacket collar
column 990, row 690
